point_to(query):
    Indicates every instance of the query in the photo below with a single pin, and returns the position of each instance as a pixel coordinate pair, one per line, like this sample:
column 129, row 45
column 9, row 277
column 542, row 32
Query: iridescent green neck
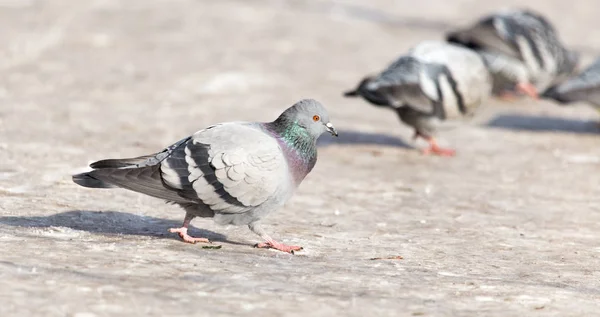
column 296, row 137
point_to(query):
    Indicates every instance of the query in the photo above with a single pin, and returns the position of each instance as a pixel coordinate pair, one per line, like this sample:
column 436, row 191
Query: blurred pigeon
column 522, row 50
column 433, row 82
column 235, row 172
column 583, row 87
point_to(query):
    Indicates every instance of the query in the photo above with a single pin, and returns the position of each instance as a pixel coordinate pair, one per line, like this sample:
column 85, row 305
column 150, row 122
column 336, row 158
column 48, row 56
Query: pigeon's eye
column 316, row 118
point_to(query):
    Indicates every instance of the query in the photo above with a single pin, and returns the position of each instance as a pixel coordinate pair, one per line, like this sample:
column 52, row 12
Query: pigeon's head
column 310, row 115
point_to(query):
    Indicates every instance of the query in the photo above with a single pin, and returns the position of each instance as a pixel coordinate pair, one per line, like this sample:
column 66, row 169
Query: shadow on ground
column 542, row 124
column 357, row 137
column 111, row 222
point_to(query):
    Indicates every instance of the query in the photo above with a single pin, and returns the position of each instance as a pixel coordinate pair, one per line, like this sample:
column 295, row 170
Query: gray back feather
column 583, row 87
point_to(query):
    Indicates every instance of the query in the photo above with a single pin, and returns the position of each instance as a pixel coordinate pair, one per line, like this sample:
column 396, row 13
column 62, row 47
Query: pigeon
column 432, row 82
column 522, row 50
column 235, row 172
column 583, row 87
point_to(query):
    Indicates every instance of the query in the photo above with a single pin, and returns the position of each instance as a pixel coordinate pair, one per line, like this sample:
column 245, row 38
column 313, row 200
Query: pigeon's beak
column 331, row 129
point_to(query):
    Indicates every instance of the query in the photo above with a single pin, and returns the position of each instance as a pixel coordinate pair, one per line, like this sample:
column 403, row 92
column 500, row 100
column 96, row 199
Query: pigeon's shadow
column 112, row 223
column 357, row 137
column 543, row 124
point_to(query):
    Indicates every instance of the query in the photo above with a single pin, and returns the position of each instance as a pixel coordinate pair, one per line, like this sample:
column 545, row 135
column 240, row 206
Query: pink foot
column 187, row 238
column 521, row 88
column 436, row 150
column 278, row 246
column 528, row 89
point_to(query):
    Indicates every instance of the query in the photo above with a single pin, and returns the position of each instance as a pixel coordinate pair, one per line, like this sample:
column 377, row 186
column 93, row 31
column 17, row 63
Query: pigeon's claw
column 187, row 238
column 278, row 246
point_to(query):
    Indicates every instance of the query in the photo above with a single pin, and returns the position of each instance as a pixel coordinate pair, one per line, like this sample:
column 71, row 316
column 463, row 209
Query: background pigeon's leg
column 416, row 136
column 434, row 148
column 269, row 242
column 184, row 228
column 521, row 88
column 528, row 89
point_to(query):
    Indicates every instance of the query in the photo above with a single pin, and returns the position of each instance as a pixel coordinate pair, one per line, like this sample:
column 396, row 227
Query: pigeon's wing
column 457, row 77
column 230, row 167
column 584, row 87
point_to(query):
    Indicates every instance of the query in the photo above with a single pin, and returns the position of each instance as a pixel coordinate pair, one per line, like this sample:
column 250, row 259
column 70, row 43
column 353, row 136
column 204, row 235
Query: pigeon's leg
column 416, row 136
column 269, row 242
column 184, row 228
column 523, row 88
column 434, row 148
column 528, row 89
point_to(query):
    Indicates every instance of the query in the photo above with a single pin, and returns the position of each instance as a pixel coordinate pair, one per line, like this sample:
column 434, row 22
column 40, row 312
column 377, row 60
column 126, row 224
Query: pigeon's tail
column 138, row 179
column 462, row 38
column 455, row 37
column 351, row 93
column 552, row 93
column 140, row 174
column 369, row 93
column 361, row 88
column 100, row 177
column 146, row 180
column 88, row 180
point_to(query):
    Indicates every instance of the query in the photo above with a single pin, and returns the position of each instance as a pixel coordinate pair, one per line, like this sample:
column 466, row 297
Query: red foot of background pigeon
column 528, row 89
column 434, row 148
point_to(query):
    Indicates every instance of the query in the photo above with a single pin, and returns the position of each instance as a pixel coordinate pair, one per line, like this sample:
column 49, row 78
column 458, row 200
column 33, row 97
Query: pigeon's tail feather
column 88, row 180
column 361, row 87
column 121, row 163
column 463, row 38
column 552, row 93
column 140, row 161
column 455, row 37
column 146, row 180
column 351, row 93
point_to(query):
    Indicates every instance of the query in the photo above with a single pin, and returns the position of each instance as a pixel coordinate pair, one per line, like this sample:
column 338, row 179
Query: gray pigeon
column 433, row 82
column 236, row 172
column 522, row 50
column 583, row 87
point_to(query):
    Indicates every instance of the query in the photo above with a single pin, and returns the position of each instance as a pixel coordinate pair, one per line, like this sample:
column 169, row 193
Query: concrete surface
column 510, row 227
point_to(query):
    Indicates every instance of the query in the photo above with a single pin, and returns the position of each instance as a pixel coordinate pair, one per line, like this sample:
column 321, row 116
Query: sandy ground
column 509, row 227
